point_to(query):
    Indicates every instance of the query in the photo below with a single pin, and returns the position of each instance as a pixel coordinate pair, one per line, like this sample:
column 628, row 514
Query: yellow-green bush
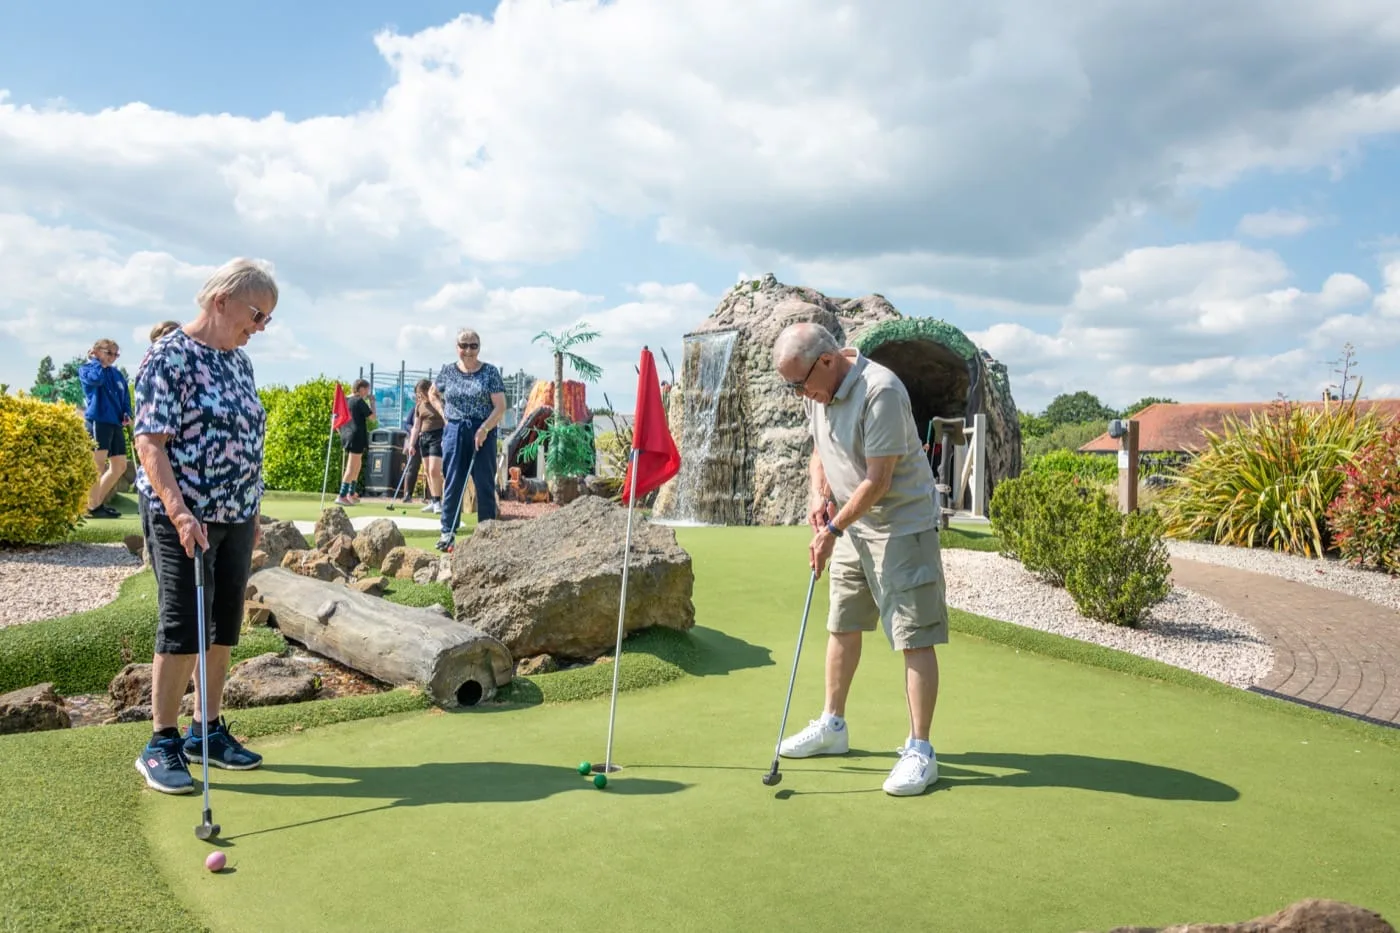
column 1268, row 483
column 46, row 470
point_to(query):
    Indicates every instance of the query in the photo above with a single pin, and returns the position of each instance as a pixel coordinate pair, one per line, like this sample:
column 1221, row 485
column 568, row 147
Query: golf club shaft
column 404, row 475
column 801, row 634
column 203, row 674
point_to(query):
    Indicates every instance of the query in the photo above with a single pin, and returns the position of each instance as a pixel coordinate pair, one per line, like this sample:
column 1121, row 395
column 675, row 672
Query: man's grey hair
column 238, row 278
column 804, row 342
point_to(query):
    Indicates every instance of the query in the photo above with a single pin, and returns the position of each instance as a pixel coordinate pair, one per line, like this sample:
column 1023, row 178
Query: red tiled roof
column 1178, row 428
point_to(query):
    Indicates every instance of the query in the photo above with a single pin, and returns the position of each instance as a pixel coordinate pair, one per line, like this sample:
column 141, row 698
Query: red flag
column 656, row 459
column 340, row 409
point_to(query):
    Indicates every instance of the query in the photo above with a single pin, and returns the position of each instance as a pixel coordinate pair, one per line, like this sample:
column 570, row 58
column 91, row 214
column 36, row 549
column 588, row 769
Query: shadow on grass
column 432, row 783
column 1084, row 772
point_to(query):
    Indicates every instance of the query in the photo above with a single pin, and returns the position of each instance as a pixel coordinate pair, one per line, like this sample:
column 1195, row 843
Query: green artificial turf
column 1083, row 788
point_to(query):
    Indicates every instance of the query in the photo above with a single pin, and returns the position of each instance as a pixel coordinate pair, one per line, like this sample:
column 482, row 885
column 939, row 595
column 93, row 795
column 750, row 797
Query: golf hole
column 470, row 693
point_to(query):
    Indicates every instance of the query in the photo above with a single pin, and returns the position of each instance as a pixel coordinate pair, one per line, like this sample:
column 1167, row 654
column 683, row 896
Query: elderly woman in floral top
column 198, row 432
column 471, row 398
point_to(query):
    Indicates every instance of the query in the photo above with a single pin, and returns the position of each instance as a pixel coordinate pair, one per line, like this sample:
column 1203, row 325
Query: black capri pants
column 226, row 570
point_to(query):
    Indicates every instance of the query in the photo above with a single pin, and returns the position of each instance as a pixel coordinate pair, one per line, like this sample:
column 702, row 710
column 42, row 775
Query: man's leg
column 921, row 689
column 842, row 659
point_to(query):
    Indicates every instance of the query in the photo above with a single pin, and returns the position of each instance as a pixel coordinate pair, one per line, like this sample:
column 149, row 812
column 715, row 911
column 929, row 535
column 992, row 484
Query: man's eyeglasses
column 799, row 386
column 468, row 346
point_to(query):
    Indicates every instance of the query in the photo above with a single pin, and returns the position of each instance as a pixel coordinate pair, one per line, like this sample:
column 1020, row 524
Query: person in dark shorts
column 199, row 431
column 106, row 414
column 426, row 440
column 354, row 440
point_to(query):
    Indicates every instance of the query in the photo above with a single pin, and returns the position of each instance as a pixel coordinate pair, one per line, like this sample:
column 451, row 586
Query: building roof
column 1179, row 427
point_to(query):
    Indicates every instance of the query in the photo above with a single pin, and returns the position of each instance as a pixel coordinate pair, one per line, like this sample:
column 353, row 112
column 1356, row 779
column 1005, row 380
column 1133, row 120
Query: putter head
column 207, row 831
column 773, row 778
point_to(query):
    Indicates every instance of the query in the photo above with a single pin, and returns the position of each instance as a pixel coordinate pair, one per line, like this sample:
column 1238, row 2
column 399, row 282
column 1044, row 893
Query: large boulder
column 552, row 585
column 742, row 435
column 32, row 709
column 376, row 540
column 269, row 680
column 278, row 538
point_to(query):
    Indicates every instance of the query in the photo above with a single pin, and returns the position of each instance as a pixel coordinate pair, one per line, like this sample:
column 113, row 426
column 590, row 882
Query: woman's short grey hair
column 236, row 279
column 804, row 342
column 466, row 332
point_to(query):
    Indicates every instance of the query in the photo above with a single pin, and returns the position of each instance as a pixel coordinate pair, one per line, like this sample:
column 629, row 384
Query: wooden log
column 454, row 663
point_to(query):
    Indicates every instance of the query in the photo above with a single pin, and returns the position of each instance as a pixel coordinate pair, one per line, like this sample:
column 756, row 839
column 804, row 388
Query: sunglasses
column 258, row 315
column 468, row 346
column 799, row 386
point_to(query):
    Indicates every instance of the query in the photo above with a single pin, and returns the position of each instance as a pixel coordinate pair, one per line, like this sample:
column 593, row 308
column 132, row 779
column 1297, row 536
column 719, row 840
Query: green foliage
column 46, row 470
column 1078, row 408
column 1093, row 468
column 1062, row 437
column 298, row 429
column 81, row 653
column 569, row 448
column 903, row 330
column 1070, row 534
column 1142, row 403
column 1118, row 564
column 67, row 386
column 43, row 388
column 1365, row 516
column 1268, row 483
column 561, row 345
column 1033, row 425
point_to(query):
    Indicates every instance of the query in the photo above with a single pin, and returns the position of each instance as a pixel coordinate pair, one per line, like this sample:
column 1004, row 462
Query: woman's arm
column 150, row 449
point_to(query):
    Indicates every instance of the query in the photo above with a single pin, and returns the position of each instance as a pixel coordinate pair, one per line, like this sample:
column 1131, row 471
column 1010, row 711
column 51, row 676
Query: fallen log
column 454, row 663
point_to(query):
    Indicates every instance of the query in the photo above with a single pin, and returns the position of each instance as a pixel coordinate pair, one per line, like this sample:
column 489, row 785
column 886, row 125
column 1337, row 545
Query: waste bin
column 384, row 461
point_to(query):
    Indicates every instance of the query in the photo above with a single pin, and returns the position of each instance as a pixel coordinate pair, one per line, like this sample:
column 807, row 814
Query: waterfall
column 705, row 367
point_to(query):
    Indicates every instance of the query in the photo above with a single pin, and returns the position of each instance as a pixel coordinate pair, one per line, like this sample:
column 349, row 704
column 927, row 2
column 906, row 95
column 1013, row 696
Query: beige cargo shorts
column 896, row 581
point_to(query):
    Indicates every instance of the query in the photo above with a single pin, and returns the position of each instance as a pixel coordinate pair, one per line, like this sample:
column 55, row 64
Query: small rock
column 426, row 574
column 255, row 613
column 32, row 709
column 341, row 551
column 259, row 560
column 291, row 559
column 131, row 714
column 370, row 586
column 278, row 538
column 377, row 539
column 135, row 544
column 269, row 680
column 331, row 525
column 539, row 664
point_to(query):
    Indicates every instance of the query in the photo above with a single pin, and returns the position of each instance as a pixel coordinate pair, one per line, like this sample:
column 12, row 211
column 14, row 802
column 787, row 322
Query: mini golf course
column 1081, row 789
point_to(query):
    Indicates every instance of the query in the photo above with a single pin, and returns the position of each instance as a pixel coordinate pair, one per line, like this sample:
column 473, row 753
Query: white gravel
column 1327, row 573
column 47, row 582
column 1185, row 630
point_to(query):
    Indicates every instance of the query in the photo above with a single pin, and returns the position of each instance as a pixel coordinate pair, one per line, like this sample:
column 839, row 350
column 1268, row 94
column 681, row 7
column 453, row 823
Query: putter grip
column 198, row 551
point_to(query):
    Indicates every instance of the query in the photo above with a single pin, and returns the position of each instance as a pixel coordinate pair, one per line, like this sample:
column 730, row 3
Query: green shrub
column 298, row 430
column 1118, row 564
column 1269, row 483
column 1365, row 516
column 1068, row 437
column 81, row 653
column 46, row 470
column 1034, row 516
column 1092, row 468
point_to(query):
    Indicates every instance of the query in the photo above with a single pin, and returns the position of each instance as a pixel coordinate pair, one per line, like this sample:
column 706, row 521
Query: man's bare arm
column 879, row 473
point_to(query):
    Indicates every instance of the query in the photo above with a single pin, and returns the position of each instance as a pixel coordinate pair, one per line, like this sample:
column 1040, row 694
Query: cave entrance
column 936, row 378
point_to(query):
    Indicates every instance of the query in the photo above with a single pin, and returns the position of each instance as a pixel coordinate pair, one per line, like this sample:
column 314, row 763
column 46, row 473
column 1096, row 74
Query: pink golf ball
column 215, row 861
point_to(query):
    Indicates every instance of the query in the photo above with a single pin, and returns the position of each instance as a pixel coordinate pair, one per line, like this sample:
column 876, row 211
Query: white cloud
column 1274, row 223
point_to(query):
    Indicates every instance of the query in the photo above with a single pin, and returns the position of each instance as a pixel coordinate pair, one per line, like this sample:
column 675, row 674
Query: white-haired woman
column 199, row 431
column 471, row 397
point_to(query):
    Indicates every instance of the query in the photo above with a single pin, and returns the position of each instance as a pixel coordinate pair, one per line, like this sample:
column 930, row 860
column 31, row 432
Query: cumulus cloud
column 1273, row 223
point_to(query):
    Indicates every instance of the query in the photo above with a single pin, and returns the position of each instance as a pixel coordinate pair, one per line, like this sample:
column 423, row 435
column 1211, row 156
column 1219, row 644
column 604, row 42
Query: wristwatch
column 831, row 527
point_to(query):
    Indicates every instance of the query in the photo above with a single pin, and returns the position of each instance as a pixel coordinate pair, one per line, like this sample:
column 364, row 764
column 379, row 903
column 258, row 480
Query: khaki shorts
column 897, row 581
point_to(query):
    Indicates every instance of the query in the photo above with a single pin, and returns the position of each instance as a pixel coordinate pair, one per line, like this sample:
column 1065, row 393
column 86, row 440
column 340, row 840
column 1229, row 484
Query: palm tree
column 561, row 346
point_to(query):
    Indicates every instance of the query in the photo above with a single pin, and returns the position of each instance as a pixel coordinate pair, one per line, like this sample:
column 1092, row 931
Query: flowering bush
column 1365, row 516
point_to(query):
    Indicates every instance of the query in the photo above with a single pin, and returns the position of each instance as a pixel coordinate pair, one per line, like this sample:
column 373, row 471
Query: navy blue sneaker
column 224, row 750
column 164, row 767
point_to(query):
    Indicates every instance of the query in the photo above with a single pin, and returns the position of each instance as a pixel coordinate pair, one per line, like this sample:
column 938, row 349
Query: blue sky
column 1132, row 202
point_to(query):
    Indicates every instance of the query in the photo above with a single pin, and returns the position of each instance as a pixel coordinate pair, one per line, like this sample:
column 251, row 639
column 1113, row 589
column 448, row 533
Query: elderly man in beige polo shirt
column 875, row 522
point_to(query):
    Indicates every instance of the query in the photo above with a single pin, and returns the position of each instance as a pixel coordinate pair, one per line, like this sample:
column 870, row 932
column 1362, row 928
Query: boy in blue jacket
column 108, row 412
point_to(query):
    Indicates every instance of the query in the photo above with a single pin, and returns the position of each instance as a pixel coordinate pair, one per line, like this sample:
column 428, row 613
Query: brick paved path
column 1330, row 649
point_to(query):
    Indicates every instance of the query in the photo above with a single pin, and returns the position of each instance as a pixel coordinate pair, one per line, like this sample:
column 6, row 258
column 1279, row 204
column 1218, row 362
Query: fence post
column 1128, row 468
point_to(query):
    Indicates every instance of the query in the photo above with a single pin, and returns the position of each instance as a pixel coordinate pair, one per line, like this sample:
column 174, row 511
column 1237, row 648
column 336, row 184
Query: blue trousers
column 458, row 438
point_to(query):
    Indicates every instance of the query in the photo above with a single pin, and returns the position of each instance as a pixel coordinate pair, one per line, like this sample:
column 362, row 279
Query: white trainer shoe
column 913, row 773
column 817, row 739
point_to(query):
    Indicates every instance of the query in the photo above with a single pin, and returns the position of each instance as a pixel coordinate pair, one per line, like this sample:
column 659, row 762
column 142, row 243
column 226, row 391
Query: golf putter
column 402, row 477
column 207, row 829
column 774, row 777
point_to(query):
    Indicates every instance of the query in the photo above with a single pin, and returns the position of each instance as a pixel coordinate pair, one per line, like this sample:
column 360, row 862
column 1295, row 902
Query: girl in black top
column 354, row 440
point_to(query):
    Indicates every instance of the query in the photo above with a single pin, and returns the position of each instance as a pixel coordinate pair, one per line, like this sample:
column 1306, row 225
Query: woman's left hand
column 480, row 437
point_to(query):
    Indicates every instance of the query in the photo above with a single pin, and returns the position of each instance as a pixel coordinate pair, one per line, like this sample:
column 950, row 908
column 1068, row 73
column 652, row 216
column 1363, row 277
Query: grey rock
column 332, row 524
column 269, row 680
column 376, row 540
column 32, row 709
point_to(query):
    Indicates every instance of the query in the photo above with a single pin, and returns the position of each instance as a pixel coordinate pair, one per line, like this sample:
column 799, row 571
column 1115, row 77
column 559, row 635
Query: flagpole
column 330, row 439
column 622, row 608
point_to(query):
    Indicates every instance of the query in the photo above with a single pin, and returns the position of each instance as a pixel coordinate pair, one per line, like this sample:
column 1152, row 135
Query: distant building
column 1180, row 428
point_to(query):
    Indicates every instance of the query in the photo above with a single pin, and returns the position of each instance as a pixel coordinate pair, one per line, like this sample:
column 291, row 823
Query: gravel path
column 43, row 583
column 1328, row 574
column 1185, row 630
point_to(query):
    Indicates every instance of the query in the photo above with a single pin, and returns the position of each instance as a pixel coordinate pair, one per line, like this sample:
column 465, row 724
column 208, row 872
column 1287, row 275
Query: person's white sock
column 835, row 723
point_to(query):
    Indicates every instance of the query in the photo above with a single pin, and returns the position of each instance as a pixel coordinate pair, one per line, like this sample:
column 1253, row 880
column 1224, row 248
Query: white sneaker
column 428, row 507
column 817, row 739
column 437, row 507
column 912, row 775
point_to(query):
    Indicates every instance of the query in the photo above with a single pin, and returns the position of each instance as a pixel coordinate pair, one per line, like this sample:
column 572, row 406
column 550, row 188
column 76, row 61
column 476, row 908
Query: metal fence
column 393, row 392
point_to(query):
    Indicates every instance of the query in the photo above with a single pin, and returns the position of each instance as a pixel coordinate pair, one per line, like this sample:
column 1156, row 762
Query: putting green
column 1072, row 798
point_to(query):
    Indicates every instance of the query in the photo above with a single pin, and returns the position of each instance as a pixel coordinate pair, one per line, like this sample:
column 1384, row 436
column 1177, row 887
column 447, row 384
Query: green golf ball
column 600, row 781
column 584, row 767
